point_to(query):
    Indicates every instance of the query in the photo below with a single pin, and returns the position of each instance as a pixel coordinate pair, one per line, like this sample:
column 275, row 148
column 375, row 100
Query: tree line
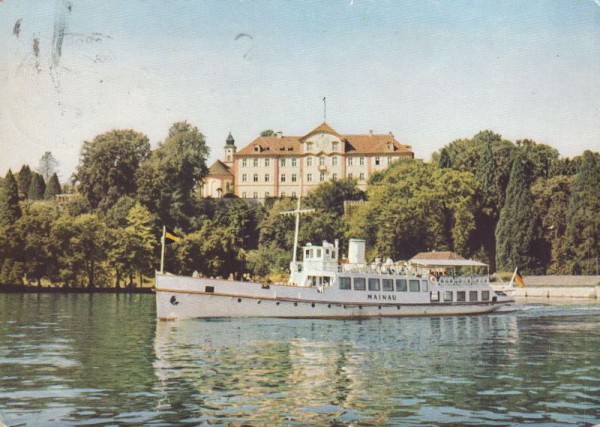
column 508, row 204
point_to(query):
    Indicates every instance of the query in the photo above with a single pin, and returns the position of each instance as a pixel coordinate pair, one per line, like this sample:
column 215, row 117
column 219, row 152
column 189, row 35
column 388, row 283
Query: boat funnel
column 356, row 251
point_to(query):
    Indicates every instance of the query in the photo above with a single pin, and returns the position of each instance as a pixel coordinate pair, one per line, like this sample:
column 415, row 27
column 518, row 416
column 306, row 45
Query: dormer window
column 334, row 145
column 308, row 146
column 390, row 146
column 257, row 148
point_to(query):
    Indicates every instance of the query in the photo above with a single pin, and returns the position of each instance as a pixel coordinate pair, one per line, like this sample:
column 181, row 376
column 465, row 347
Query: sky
column 429, row 71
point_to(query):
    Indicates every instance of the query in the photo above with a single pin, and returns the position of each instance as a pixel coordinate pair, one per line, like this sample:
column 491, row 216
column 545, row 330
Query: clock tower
column 230, row 150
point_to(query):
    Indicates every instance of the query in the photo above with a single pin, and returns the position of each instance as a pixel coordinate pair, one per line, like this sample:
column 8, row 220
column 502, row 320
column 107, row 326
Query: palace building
column 280, row 166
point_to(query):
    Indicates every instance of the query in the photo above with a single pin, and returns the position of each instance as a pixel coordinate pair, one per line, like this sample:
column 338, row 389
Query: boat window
column 485, row 295
column 413, row 285
column 424, row 287
column 359, row 284
column 373, row 284
column 401, row 285
column 306, row 254
column 435, row 296
column 448, row 296
column 345, row 283
column 318, row 253
column 461, row 296
column 387, row 285
column 472, row 295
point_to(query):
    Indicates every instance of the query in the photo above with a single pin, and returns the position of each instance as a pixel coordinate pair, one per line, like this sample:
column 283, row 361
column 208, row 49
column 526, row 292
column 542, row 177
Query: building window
column 345, row 283
column 359, row 284
column 361, row 177
column 293, row 177
column 244, row 177
column 256, row 195
column 294, row 162
column 321, row 161
column 267, row 162
column 309, row 177
column 377, row 161
column 282, row 177
column 255, row 177
column 244, row 195
column 334, row 145
column 362, row 161
column 322, row 177
column 373, row 284
column 334, row 177
column 266, row 194
column 308, row 146
column 309, row 161
column 334, row 161
column 293, row 194
column 267, row 177
column 283, row 194
column 349, row 176
column 244, row 162
column 350, row 161
column 255, row 163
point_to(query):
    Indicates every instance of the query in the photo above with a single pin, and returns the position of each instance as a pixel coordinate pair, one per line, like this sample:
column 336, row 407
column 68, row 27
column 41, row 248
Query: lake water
column 104, row 360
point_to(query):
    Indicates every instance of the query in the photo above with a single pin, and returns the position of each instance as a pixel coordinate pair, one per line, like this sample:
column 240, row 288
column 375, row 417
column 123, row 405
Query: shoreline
column 26, row 289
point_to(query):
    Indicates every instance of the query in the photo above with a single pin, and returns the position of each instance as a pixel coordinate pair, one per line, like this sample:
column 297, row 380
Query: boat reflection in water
column 317, row 371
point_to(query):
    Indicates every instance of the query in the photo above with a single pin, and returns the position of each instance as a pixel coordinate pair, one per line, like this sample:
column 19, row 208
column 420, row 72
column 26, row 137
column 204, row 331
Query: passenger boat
column 323, row 287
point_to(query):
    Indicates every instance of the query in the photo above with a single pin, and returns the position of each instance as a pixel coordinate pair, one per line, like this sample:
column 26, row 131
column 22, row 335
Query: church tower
column 230, row 150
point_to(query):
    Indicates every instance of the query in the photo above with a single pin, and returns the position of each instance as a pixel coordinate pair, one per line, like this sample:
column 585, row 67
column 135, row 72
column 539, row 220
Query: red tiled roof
column 268, row 146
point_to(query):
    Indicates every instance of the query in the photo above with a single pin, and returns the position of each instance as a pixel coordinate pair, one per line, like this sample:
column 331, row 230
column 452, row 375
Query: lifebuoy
column 468, row 280
column 451, row 280
column 432, row 279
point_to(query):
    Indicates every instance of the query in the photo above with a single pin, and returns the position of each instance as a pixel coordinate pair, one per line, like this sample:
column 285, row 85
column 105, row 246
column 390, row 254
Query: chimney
column 279, row 134
column 391, row 134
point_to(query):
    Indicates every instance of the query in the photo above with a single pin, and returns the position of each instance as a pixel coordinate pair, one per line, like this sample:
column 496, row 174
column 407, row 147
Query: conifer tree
column 445, row 161
column 24, row 180
column 10, row 211
column 53, row 187
column 516, row 230
column 583, row 227
column 485, row 174
column 37, row 187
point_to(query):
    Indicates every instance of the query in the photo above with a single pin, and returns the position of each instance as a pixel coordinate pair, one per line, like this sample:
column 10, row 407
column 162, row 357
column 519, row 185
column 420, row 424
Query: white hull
column 185, row 297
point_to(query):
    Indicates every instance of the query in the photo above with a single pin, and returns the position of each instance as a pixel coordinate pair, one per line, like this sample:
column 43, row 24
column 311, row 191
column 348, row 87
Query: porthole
column 360, row 307
column 328, row 305
column 258, row 302
column 379, row 307
column 313, row 304
column 398, row 307
column 295, row 304
column 277, row 303
column 239, row 300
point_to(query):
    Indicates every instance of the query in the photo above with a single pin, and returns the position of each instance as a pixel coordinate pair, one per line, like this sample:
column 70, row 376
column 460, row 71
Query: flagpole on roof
column 324, row 109
column 162, row 252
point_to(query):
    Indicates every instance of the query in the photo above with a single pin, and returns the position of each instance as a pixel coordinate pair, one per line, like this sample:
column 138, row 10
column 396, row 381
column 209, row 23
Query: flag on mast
column 519, row 279
column 170, row 236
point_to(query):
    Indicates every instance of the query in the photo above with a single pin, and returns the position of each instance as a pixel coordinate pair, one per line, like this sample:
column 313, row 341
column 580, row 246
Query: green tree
column 24, row 180
column 551, row 203
column 416, row 207
column 168, row 181
column 109, row 164
column 444, row 161
column 583, row 227
column 267, row 132
column 37, row 188
column 53, row 187
column 35, row 246
column 516, row 232
column 47, row 165
column 10, row 211
column 82, row 245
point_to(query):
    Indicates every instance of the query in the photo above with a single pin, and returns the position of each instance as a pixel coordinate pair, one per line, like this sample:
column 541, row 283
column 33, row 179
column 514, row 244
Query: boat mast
column 297, row 212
